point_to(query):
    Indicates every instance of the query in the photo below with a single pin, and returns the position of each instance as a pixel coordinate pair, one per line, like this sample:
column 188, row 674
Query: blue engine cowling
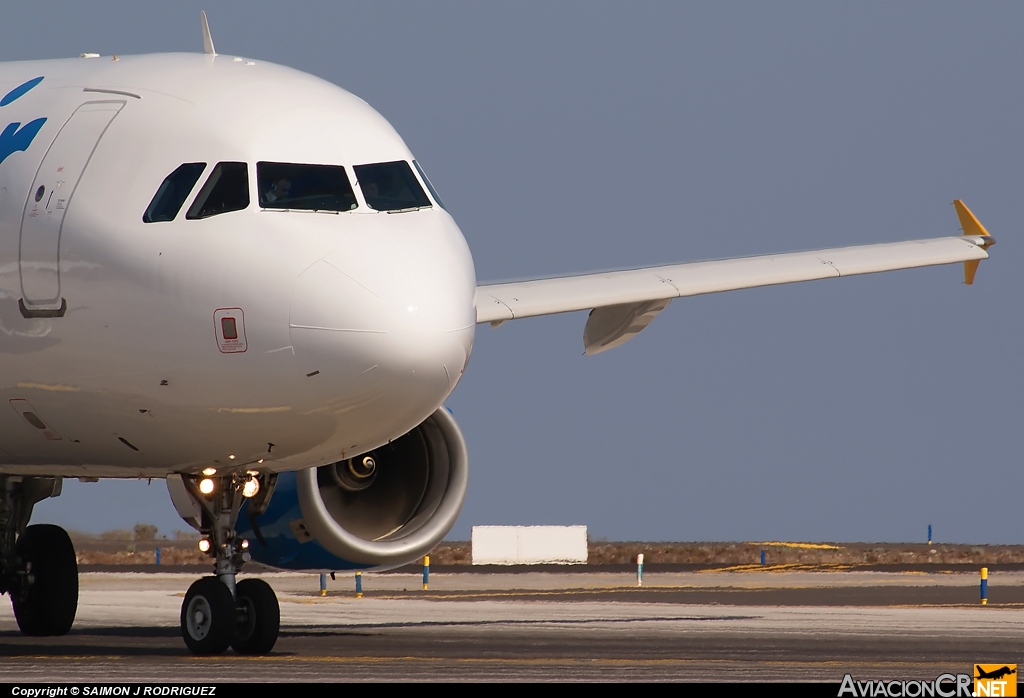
column 324, row 519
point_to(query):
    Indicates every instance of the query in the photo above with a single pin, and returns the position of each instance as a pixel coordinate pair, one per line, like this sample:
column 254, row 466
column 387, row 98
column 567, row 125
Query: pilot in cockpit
column 279, row 190
column 385, row 186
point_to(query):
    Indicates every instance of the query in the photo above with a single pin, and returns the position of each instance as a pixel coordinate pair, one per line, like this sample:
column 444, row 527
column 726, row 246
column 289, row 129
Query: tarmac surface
column 750, row 623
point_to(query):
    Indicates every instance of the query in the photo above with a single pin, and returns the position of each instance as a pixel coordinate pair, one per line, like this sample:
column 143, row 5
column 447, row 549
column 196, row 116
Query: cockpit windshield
column 390, row 186
column 286, row 185
column 172, row 193
column 430, row 187
column 226, row 190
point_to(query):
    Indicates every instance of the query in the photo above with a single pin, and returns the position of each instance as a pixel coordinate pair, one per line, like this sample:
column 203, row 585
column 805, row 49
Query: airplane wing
column 622, row 303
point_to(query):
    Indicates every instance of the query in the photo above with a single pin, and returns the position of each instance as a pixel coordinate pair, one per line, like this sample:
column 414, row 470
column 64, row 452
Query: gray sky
column 573, row 136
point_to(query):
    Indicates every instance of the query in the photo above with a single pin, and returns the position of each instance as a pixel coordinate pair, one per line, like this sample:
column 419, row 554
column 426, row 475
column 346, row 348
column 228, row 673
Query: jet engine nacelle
column 385, row 508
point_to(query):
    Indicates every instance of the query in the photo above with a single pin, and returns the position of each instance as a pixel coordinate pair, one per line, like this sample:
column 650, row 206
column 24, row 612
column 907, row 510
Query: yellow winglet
column 971, row 226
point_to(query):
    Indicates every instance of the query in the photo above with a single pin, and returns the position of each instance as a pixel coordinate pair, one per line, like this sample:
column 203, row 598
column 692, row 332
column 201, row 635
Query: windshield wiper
column 407, row 210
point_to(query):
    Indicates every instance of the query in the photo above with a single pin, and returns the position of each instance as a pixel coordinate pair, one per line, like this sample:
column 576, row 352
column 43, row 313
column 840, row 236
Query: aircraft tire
column 208, row 617
column 51, row 603
column 259, row 617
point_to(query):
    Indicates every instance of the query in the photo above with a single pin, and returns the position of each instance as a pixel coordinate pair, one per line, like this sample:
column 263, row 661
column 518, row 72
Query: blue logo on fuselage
column 17, row 137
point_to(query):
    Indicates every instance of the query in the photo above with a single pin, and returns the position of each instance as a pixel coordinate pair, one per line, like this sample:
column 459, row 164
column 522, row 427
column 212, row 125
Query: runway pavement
column 745, row 624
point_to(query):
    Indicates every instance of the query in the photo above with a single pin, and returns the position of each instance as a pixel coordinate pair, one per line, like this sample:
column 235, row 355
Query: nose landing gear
column 218, row 612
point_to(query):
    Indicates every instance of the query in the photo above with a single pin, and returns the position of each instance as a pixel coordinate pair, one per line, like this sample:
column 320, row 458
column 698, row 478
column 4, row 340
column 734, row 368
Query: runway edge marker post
column 984, row 586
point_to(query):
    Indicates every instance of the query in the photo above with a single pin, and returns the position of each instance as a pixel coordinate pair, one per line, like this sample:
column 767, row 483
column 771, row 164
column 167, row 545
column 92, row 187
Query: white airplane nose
column 402, row 341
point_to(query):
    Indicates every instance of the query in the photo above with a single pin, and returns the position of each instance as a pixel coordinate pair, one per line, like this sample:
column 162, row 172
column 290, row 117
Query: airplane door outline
column 48, row 200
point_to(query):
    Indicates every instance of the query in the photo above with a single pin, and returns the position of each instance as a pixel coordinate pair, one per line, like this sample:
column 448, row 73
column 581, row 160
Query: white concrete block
column 529, row 545
column 495, row 545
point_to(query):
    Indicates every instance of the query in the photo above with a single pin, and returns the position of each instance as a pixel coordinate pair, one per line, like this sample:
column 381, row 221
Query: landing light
column 245, row 544
column 231, row 457
column 204, row 545
column 209, row 471
column 206, row 486
column 250, row 487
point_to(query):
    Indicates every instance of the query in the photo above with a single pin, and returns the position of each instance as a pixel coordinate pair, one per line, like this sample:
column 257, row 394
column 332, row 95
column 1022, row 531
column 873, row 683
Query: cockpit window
column 173, row 192
column 304, row 187
column 226, row 190
column 430, row 187
column 390, row 186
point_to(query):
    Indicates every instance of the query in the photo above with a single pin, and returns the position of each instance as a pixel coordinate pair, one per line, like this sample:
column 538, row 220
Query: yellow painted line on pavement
column 783, row 567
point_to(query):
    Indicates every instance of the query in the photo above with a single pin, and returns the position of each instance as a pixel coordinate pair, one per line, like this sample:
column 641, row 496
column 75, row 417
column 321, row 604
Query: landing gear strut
column 37, row 563
column 218, row 612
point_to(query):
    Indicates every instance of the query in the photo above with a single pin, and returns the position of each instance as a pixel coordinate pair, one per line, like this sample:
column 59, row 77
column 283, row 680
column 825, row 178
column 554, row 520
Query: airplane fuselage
column 279, row 336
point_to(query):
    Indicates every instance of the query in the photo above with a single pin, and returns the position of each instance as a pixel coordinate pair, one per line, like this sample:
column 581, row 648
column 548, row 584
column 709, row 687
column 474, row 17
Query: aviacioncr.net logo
column 943, row 686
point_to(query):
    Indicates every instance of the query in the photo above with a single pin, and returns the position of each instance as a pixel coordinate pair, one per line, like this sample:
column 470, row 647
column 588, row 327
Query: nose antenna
column 208, row 49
